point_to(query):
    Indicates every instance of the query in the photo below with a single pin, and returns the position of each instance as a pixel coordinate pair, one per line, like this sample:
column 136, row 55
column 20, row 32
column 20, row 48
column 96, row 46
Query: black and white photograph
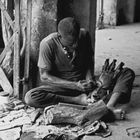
column 69, row 69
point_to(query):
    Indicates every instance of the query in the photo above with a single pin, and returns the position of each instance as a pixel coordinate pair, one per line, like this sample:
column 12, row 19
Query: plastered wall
column 117, row 12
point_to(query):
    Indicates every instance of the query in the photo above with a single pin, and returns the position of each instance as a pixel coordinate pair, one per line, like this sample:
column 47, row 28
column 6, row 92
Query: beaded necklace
column 67, row 53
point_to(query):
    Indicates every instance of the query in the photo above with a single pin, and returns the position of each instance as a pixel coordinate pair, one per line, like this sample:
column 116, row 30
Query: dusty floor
column 122, row 43
column 118, row 128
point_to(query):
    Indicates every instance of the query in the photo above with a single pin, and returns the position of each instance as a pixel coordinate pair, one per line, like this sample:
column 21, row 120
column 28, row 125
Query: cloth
column 124, row 85
column 47, row 95
column 53, row 58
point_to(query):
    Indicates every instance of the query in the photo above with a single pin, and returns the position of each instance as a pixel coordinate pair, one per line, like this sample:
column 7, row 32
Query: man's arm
column 90, row 78
column 49, row 79
column 90, row 74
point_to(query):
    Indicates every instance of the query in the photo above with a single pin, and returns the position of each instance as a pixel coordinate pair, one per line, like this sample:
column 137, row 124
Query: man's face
column 69, row 41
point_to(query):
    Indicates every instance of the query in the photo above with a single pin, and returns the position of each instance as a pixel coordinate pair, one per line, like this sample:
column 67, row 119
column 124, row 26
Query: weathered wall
column 110, row 15
column 125, row 11
column 43, row 21
column 130, row 10
column 81, row 9
column 74, row 8
column 137, row 11
column 109, row 11
column 117, row 12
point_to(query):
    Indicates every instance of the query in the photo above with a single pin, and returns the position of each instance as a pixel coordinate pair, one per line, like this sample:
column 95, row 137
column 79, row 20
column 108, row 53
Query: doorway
column 137, row 11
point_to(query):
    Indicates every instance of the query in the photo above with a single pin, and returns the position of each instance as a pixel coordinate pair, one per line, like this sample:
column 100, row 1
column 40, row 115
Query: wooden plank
column 4, row 83
column 3, row 9
column 7, row 47
column 27, row 49
column 16, row 76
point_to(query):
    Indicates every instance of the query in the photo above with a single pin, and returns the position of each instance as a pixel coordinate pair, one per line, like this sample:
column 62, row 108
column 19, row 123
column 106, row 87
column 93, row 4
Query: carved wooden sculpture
column 64, row 114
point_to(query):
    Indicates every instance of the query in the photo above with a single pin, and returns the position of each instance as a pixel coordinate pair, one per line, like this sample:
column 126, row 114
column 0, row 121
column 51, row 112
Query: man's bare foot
column 119, row 113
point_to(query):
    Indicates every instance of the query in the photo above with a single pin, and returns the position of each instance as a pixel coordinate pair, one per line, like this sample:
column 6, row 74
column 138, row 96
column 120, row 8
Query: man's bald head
column 69, row 29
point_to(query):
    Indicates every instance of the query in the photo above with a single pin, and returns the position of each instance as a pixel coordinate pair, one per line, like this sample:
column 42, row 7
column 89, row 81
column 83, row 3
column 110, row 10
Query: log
column 58, row 114
column 8, row 47
column 7, row 16
column 4, row 10
column 27, row 49
column 4, row 83
column 16, row 68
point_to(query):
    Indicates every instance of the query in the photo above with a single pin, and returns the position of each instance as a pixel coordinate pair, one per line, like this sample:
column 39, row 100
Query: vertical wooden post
column 102, row 14
column 28, row 47
column 100, row 23
column 92, row 23
column 16, row 76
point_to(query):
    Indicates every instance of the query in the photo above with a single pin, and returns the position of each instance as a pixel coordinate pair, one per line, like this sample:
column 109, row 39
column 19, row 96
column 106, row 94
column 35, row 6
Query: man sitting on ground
column 66, row 70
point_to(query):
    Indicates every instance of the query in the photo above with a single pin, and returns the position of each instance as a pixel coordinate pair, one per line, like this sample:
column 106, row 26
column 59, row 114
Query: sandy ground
column 122, row 43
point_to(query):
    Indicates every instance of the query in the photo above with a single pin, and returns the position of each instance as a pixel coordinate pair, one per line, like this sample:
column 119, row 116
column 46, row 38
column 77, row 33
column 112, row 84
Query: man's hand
column 109, row 74
column 86, row 85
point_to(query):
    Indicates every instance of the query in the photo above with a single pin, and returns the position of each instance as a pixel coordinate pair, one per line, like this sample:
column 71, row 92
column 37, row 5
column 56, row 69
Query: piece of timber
column 3, row 9
column 4, row 83
column 70, row 115
column 16, row 74
column 7, row 48
column 27, row 49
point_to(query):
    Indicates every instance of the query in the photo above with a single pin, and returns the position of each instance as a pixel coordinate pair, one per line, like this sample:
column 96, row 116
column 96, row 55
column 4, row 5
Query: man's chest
column 66, row 61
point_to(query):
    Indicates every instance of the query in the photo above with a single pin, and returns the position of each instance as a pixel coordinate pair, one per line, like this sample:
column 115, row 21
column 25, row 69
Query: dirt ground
column 122, row 43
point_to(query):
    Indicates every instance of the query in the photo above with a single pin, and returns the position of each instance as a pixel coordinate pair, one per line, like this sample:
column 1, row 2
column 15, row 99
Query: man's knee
column 128, row 73
column 124, row 85
column 27, row 99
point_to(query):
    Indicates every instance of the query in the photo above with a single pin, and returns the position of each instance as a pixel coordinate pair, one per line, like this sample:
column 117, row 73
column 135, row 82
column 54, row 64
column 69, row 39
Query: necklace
column 67, row 53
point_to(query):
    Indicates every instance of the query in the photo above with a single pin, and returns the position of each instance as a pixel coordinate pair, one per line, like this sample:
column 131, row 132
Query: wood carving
column 61, row 114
